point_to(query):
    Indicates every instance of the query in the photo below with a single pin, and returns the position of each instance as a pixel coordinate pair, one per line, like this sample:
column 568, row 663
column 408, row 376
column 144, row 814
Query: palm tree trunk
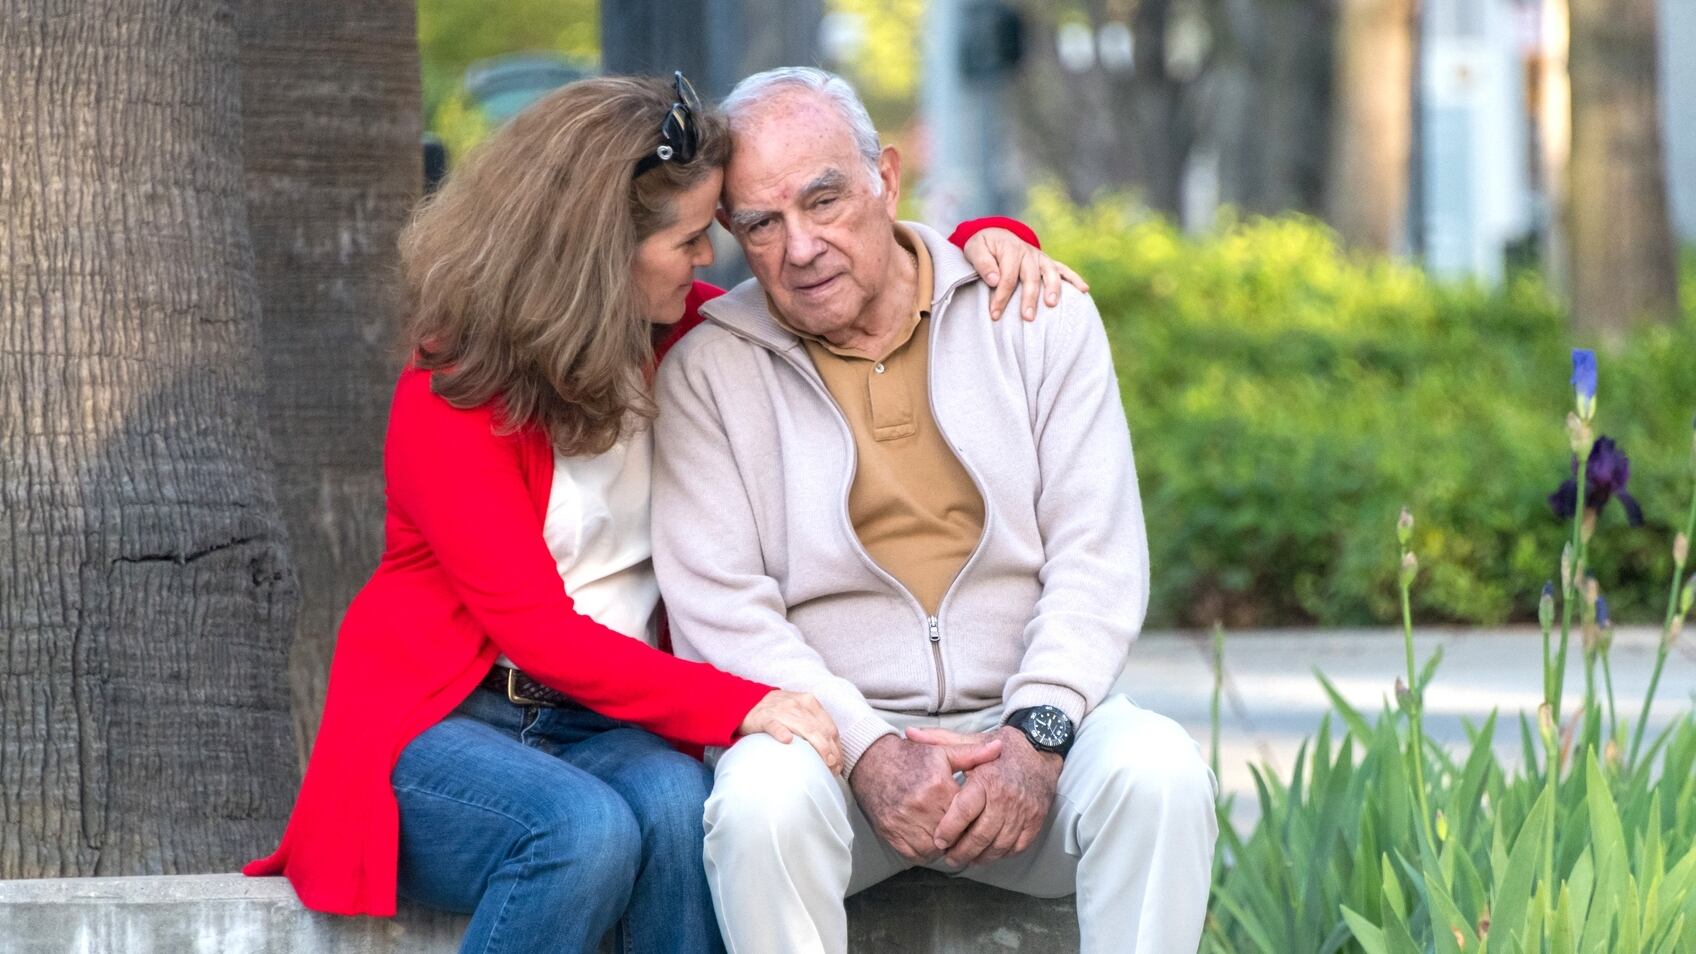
column 331, row 119
column 146, row 596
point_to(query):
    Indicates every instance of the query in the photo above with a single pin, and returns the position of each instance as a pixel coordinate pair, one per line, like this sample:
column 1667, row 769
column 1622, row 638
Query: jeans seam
column 529, row 827
column 506, row 902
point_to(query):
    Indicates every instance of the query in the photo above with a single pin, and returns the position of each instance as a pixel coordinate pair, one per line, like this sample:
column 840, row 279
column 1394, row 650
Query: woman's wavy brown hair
column 518, row 271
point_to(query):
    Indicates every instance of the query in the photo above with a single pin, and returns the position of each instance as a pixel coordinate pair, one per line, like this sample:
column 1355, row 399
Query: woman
column 495, row 742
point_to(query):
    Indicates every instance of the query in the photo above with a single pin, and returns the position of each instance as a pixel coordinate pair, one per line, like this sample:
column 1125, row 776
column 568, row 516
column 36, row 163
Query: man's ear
column 889, row 171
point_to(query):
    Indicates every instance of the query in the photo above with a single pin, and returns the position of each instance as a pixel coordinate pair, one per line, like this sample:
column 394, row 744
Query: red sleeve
column 463, row 488
column 964, row 232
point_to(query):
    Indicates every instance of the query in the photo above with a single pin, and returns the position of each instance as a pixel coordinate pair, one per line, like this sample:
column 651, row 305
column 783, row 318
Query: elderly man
column 867, row 490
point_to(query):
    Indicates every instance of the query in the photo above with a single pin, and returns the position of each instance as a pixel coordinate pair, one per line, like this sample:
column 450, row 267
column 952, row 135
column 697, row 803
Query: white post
column 964, row 141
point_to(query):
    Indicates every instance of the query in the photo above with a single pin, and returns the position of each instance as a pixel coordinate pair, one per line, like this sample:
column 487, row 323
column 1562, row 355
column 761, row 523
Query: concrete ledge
column 228, row 914
column 200, row 914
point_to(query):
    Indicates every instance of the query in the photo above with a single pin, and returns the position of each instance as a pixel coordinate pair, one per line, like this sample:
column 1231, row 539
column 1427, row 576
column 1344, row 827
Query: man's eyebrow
column 747, row 218
column 828, row 180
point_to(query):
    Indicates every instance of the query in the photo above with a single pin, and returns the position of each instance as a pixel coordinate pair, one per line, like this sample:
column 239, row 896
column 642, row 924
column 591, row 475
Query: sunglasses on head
column 679, row 137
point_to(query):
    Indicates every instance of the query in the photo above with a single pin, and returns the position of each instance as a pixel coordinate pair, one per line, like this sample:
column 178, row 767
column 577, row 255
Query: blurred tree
column 1270, row 101
column 1244, row 84
column 1366, row 190
column 330, row 122
column 658, row 36
column 1623, row 264
column 1550, row 94
column 1134, row 69
column 147, row 602
column 716, row 42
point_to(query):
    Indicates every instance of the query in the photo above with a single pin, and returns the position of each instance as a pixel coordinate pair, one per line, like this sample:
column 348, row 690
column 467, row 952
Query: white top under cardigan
column 597, row 529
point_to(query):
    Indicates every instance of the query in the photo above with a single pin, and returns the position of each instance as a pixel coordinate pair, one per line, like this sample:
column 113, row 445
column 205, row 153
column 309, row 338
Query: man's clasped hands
column 909, row 790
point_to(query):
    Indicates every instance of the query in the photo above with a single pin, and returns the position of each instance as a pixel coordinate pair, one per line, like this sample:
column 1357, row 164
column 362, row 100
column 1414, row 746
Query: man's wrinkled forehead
column 784, row 146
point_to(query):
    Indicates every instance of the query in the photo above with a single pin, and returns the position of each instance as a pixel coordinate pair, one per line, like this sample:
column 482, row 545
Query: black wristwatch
column 1049, row 729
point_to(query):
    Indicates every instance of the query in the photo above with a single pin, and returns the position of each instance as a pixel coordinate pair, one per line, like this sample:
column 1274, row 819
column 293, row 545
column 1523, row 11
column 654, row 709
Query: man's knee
column 764, row 786
column 1151, row 762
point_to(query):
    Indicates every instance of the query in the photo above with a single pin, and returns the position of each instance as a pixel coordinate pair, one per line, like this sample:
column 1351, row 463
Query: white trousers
column 1131, row 832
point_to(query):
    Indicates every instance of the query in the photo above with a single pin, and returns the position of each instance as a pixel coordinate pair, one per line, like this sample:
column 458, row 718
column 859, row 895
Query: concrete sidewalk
column 1272, row 702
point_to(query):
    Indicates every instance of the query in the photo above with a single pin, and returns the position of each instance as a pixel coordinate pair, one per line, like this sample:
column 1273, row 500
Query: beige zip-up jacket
column 763, row 574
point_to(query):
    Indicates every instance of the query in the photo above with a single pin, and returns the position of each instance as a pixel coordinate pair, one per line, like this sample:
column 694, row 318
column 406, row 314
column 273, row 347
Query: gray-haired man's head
column 810, row 195
column 832, row 89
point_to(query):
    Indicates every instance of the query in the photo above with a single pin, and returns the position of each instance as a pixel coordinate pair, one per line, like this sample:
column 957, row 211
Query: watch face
column 1048, row 726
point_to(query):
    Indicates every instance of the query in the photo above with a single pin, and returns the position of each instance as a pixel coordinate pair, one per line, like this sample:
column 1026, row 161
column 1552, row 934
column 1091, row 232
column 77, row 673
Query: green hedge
column 1287, row 398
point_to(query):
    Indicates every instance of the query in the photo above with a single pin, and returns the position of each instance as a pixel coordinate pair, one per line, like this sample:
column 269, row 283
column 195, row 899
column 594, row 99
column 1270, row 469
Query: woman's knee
column 585, row 831
column 667, row 793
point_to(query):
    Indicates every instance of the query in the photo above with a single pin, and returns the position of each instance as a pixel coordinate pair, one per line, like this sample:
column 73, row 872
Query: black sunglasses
column 679, row 137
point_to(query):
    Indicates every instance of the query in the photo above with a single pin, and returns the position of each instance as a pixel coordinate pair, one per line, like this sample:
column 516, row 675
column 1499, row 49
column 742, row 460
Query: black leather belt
column 521, row 690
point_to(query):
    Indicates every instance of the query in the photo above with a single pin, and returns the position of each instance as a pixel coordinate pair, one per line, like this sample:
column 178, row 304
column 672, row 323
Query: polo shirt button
column 878, row 367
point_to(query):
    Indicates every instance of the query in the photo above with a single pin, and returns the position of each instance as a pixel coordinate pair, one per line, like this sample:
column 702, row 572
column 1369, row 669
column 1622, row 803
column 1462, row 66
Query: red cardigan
column 466, row 575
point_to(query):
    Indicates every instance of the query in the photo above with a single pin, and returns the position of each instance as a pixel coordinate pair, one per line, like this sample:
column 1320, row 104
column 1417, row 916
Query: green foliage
column 461, row 124
column 1287, row 398
column 886, row 67
column 1587, row 847
column 453, row 34
column 1334, row 864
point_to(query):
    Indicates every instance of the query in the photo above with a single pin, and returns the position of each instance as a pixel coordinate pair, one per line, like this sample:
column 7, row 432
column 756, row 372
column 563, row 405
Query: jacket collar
column 746, row 312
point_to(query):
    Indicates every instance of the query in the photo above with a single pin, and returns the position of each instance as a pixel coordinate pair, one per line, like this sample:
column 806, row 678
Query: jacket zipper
column 977, row 484
column 936, row 655
column 932, row 632
column 933, row 624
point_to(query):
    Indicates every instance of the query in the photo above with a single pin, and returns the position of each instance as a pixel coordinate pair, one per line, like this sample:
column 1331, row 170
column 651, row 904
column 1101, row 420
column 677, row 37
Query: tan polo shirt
column 913, row 505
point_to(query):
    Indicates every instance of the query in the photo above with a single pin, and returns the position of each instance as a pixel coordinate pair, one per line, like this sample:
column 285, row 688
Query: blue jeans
column 552, row 827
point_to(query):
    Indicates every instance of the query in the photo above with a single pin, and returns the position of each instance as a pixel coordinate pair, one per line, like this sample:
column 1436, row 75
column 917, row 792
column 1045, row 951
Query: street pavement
column 1272, row 701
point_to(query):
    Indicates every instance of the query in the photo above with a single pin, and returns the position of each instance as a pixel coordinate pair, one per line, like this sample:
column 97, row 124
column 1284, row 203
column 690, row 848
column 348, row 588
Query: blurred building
column 1678, row 111
column 1494, row 129
column 1478, row 186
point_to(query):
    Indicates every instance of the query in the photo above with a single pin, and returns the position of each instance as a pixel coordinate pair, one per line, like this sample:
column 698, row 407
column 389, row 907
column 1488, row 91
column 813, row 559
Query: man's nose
column 801, row 246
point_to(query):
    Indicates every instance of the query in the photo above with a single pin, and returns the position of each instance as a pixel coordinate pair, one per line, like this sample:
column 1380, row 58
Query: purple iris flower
column 1601, row 611
column 1604, row 479
column 1584, row 372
